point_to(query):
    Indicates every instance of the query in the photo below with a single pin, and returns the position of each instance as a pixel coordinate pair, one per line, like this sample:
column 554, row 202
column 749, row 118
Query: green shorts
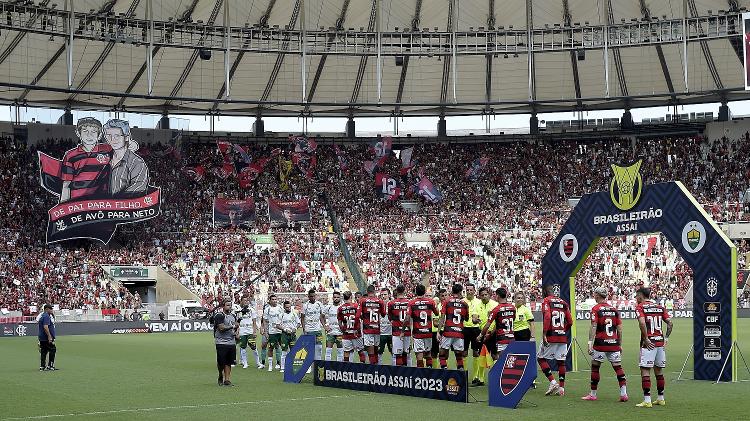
column 318, row 336
column 245, row 339
column 274, row 340
column 287, row 340
column 334, row 339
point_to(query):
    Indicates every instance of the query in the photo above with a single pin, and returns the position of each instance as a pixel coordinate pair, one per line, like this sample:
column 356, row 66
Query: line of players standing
column 432, row 327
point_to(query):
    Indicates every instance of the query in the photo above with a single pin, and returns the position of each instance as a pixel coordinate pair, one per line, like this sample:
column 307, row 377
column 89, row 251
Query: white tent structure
column 369, row 57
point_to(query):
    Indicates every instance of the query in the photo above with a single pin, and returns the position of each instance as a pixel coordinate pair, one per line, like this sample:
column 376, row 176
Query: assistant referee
column 225, row 336
column 523, row 325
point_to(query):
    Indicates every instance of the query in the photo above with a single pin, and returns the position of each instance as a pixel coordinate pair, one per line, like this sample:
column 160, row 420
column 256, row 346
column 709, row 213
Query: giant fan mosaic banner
column 100, row 184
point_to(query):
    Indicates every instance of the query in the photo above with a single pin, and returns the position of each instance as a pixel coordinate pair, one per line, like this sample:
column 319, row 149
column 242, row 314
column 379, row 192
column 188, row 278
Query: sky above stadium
column 368, row 126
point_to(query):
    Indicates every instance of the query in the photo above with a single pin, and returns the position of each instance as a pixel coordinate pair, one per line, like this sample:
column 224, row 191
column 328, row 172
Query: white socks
column 243, row 356
column 339, row 354
column 283, row 359
column 623, row 390
column 257, row 358
column 329, row 351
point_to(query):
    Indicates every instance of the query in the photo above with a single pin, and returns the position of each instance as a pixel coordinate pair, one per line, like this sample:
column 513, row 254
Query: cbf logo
column 20, row 330
column 712, row 287
column 626, row 186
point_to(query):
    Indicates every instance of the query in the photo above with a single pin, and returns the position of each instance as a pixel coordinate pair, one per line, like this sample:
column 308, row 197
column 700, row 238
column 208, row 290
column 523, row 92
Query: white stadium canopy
column 369, row 57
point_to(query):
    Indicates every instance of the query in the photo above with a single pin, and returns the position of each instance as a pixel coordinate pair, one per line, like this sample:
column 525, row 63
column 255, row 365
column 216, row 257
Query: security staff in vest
column 46, row 336
column 225, row 336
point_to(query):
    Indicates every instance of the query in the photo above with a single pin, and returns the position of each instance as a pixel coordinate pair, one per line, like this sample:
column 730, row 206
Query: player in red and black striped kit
column 398, row 313
column 556, row 328
column 371, row 309
column 421, row 311
column 86, row 168
column 348, row 317
column 651, row 317
column 502, row 317
column 455, row 312
column 605, row 340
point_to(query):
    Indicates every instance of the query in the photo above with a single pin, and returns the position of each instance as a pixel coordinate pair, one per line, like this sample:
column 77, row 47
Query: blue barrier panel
column 512, row 375
column 299, row 359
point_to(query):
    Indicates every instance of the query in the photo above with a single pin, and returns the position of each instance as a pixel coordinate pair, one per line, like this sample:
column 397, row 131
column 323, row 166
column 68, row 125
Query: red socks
column 646, row 385
column 660, row 384
column 545, row 368
column 561, row 369
column 594, row 377
column 620, row 375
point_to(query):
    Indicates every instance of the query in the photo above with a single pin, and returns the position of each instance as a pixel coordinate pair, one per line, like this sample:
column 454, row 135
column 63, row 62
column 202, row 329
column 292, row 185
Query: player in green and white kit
column 313, row 321
column 272, row 327
column 289, row 324
column 333, row 329
column 248, row 317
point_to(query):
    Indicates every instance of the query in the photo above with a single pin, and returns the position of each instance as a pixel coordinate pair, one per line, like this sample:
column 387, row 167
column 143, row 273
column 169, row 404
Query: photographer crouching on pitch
column 225, row 337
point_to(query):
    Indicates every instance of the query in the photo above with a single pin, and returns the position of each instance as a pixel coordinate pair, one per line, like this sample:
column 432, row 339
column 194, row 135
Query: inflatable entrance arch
column 630, row 207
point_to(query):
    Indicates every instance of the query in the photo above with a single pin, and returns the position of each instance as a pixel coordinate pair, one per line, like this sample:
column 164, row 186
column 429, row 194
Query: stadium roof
column 287, row 57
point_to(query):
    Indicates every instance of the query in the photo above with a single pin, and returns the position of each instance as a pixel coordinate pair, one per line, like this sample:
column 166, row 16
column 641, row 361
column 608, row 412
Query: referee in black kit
column 225, row 335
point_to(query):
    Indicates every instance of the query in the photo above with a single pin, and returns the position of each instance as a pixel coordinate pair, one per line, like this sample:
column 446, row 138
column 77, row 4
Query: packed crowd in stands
column 493, row 231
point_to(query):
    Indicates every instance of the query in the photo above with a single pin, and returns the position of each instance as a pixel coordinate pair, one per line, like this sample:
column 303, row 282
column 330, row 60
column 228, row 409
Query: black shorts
column 471, row 339
column 522, row 335
column 435, row 346
column 491, row 342
column 226, row 354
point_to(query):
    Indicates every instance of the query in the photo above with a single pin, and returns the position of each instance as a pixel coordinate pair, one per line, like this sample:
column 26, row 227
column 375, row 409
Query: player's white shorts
column 401, row 344
column 372, row 339
column 350, row 345
column 422, row 345
column 613, row 357
column 553, row 351
column 653, row 357
column 456, row 344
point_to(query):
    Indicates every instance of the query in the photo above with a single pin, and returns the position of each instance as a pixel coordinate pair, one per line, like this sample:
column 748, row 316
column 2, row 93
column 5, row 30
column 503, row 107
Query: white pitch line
column 166, row 408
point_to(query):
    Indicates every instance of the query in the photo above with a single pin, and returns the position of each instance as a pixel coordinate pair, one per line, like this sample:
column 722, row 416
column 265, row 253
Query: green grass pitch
column 173, row 377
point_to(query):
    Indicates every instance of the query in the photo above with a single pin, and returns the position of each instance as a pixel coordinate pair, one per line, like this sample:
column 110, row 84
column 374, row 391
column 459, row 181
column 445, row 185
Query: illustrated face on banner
column 115, row 137
column 99, row 184
column 89, row 132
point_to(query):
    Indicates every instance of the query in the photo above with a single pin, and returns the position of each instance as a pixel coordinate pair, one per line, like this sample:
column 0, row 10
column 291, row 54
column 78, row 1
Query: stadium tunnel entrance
column 630, row 207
